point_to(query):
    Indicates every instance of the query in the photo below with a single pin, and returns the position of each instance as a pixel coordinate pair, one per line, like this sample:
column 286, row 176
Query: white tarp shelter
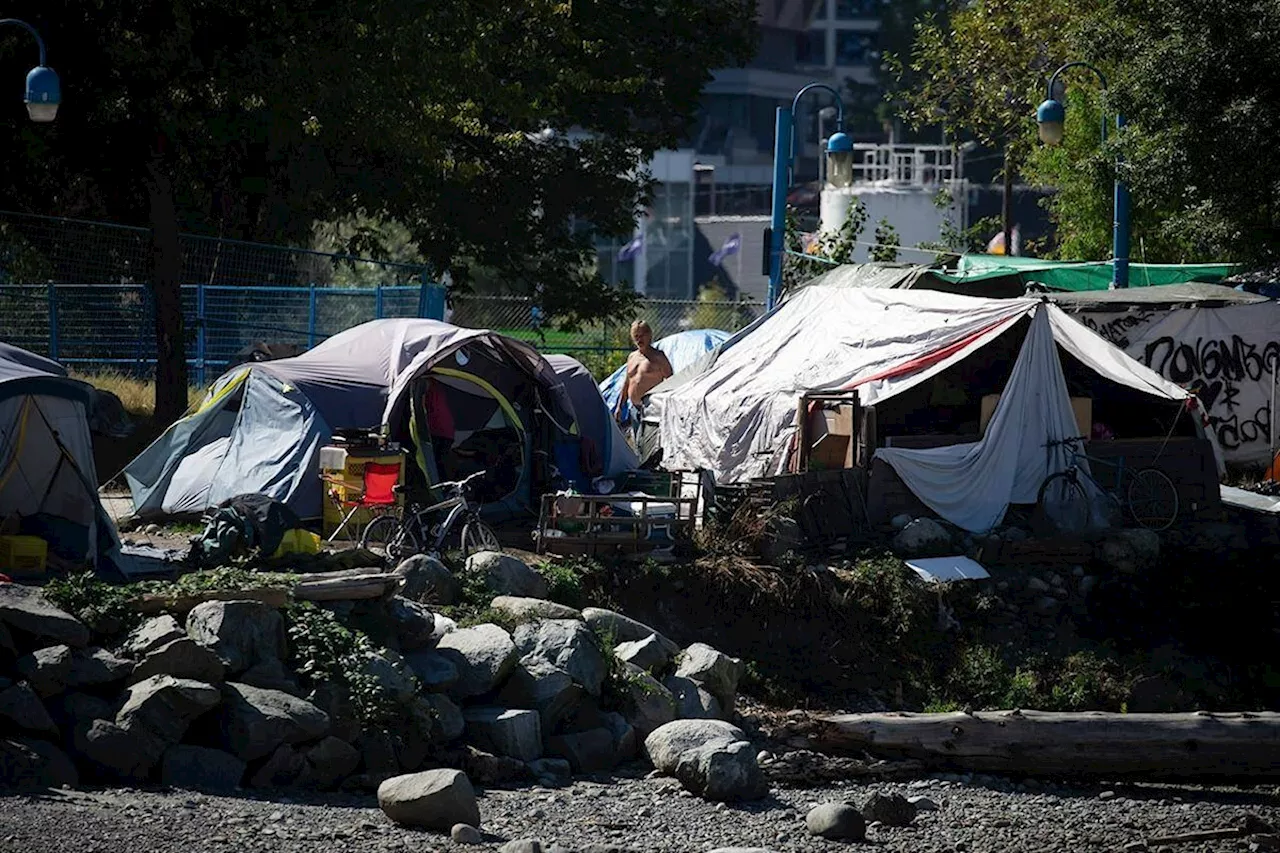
column 737, row 417
column 47, row 475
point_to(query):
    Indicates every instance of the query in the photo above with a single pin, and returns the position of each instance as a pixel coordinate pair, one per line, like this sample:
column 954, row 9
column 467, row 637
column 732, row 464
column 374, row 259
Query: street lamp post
column 43, row 93
column 840, row 156
column 1050, row 116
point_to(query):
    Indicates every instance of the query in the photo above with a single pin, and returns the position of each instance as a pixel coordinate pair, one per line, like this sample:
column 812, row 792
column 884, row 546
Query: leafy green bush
column 322, row 649
column 105, row 608
column 565, row 579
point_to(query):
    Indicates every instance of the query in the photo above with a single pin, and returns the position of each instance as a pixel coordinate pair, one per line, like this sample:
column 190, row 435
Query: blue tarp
column 682, row 349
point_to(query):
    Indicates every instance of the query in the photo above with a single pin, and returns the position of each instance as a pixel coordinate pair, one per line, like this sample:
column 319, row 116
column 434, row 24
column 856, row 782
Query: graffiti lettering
column 1235, row 360
column 1117, row 329
column 1233, row 432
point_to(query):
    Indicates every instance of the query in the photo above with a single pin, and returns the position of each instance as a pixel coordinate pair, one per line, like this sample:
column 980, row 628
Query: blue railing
column 113, row 325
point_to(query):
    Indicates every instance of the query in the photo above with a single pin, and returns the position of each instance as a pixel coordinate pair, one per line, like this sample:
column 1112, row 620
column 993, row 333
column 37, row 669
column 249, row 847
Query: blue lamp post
column 839, row 173
column 43, row 92
column 1050, row 116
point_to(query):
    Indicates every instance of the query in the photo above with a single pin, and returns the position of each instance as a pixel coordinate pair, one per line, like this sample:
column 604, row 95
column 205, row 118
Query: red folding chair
column 377, row 495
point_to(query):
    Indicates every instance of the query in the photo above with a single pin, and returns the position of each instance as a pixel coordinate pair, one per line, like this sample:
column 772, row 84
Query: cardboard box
column 1081, row 406
column 832, row 445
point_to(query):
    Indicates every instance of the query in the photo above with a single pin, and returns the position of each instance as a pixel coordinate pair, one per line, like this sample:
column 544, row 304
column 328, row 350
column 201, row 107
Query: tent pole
column 1271, row 420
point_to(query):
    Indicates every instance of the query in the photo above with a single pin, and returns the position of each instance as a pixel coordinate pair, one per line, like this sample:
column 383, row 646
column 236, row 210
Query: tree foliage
column 1192, row 78
column 499, row 135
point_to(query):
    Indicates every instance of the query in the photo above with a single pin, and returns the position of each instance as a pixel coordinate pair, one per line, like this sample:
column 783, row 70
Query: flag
column 632, row 249
column 730, row 247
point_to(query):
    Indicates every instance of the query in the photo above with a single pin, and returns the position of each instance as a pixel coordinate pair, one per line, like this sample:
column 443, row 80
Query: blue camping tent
column 682, row 349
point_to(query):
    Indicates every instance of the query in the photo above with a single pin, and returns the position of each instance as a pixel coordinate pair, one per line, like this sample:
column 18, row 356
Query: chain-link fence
column 77, row 292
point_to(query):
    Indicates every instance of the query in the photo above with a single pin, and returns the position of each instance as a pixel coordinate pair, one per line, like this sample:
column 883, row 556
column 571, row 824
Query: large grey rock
column 709, row 757
column 283, row 769
column 586, row 752
column 29, row 764
column 415, row 624
column 652, row 705
column 256, row 721
column 95, row 667
column 836, row 821
column 922, row 537
column 448, row 724
column 330, row 761
column 510, row 732
column 648, row 654
column 692, row 701
column 118, row 752
column 434, row 799
column 47, row 669
column 718, row 673
column 394, row 678
column 484, row 656
column 504, row 575
column 200, row 768
column 21, row 710
column 524, row 845
column 160, row 709
column 27, row 609
column 541, row 687
column 551, row 772
column 424, row 578
column 70, row 709
column 240, row 633
column 889, row 809
column 151, row 635
column 533, row 608
column 568, row 645
column 271, row 674
column 626, row 743
column 623, row 629
column 181, row 658
column 434, row 671
column 485, row 768
column 1131, row 551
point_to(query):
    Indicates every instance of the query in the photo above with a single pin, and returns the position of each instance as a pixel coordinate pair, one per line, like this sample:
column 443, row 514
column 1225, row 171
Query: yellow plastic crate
column 23, row 555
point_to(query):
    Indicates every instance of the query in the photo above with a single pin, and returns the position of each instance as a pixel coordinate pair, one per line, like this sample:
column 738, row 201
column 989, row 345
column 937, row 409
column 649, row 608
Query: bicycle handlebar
column 1069, row 441
column 463, row 483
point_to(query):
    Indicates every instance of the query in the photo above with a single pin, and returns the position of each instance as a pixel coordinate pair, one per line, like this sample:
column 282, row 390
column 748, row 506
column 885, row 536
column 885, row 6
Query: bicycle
column 397, row 537
column 1148, row 494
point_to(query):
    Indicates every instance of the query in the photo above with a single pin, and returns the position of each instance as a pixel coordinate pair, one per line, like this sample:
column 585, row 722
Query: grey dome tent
column 260, row 428
column 594, row 418
column 48, row 482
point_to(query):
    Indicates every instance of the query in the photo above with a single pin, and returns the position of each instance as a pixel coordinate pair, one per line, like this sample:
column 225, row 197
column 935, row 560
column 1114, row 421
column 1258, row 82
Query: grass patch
column 138, row 395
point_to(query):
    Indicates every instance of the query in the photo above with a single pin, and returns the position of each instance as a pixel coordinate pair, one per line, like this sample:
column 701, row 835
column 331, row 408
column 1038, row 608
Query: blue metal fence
column 113, row 325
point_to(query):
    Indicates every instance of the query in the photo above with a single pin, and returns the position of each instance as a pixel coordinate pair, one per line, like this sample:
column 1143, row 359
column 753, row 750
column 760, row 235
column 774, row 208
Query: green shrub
column 565, row 579
column 105, row 608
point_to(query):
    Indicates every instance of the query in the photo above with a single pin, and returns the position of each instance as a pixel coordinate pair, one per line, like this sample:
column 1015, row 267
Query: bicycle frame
column 1075, row 448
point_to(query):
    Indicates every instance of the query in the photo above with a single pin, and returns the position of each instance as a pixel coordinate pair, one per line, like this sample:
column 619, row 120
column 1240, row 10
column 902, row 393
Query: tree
column 980, row 72
column 491, row 133
column 1194, row 79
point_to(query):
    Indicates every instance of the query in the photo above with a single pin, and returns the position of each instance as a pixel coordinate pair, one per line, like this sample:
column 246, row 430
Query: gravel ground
column 646, row 814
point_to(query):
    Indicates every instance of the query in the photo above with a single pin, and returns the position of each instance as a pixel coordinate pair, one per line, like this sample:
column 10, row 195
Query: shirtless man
column 646, row 367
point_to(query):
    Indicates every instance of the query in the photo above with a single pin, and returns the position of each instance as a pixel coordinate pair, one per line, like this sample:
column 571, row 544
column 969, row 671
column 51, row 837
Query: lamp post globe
column 1050, row 115
column 44, row 94
column 840, row 160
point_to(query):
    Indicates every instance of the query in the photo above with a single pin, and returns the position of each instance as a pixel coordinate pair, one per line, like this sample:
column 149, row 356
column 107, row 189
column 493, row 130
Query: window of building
column 820, row 14
column 811, row 47
column 855, row 48
column 852, row 10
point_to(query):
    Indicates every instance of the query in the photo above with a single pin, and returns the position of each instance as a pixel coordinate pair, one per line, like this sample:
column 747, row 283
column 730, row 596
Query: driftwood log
column 1148, row 746
column 354, row 585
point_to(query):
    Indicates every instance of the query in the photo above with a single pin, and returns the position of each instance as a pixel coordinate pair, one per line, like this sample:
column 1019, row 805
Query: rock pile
column 206, row 699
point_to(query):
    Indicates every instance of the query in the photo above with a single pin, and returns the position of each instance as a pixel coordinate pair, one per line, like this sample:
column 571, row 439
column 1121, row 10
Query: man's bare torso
column 645, row 370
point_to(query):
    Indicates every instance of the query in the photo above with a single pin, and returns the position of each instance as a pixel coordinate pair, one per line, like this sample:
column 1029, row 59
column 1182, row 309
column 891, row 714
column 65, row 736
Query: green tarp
column 1076, row 275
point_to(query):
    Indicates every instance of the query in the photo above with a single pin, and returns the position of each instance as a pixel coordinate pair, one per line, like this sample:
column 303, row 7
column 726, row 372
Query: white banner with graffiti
column 1227, row 356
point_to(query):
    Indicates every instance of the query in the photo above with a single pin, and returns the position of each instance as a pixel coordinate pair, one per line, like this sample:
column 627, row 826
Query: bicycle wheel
column 1152, row 499
column 387, row 537
column 478, row 536
column 1065, row 502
